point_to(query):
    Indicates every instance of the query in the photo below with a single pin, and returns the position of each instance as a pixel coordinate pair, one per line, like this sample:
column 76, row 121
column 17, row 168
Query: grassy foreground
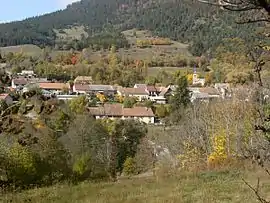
column 205, row 187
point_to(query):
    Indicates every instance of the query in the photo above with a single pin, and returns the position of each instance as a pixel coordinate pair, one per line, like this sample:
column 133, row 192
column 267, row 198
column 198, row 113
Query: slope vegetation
column 181, row 20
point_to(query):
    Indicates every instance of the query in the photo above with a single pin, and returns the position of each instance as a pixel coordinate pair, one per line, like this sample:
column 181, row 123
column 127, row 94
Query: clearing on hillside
column 72, row 33
column 28, row 49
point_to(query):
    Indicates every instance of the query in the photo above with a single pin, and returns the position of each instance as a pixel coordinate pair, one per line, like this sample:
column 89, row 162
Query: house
column 7, row 98
column 139, row 93
column 165, row 91
column 203, row 94
column 81, row 88
column 117, row 111
column 197, row 96
column 150, row 89
column 19, row 82
column 142, row 86
column 54, row 87
column 27, row 73
column 85, row 80
column 107, row 90
column 212, row 92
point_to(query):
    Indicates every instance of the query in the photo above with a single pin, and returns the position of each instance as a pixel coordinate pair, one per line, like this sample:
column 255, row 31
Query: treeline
column 203, row 27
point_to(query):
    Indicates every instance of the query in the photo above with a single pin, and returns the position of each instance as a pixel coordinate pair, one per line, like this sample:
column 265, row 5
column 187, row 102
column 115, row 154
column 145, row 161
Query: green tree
column 161, row 111
column 181, row 97
column 78, row 105
column 129, row 102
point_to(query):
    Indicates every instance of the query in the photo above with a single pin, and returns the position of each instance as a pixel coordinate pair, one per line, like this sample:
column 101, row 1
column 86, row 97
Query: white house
column 139, row 93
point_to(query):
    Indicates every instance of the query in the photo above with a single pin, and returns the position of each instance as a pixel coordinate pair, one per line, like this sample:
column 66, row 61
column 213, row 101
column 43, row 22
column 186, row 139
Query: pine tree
column 181, row 97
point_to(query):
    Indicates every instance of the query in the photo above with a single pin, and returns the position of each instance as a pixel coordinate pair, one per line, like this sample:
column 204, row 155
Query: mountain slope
column 185, row 20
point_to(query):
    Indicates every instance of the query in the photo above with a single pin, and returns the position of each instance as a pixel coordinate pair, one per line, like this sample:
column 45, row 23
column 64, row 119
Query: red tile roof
column 138, row 112
column 133, row 91
column 118, row 110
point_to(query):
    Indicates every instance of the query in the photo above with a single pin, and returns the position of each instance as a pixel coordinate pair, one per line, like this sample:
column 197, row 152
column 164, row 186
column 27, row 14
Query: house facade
column 140, row 93
column 107, row 90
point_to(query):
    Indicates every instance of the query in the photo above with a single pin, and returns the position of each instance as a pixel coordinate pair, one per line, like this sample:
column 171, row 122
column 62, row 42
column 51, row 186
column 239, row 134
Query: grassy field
column 207, row 187
column 28, row 49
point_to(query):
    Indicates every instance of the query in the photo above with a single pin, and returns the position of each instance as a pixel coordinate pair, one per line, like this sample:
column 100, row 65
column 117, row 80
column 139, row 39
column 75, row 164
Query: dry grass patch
column 226, row 186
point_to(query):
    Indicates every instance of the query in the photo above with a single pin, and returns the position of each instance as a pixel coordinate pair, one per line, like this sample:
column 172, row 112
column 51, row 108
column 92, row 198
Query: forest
column 201, row 26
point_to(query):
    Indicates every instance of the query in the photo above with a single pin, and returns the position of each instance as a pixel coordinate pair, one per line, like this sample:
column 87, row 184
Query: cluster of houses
column 83, row 85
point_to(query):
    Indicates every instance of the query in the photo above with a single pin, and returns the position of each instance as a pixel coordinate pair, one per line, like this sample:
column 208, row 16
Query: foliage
column 185, row 21
column 129, row 166
column 81, row 165
column 181, row 96
column 78, row 105
column 102, row 98
column 161, row 111
column 129, row 102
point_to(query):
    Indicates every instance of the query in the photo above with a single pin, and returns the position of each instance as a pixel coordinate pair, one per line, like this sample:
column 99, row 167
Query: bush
column 23, row 165
column 81, row 166
column 129, row 166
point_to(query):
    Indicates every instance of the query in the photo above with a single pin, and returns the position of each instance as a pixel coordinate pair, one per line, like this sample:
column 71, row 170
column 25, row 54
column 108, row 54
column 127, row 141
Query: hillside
column 181, row 20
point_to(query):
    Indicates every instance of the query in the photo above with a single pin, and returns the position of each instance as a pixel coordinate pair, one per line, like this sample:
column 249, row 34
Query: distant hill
column 188, row 21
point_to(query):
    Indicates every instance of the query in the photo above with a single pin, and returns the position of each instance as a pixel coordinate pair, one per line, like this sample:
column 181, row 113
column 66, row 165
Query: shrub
column 129, row 166
column 22, row 167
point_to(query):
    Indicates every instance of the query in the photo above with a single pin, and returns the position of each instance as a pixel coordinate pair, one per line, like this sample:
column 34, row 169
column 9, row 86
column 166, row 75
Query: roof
column 209, row 90
column 151, row 88
column 133, row 91
column 101, row 88
column 3, row 96
column 107, row 110
column 81, row 87
column 118, row 110
column 163, row 90
column 54, row 86
column 20, row 81
column 138, row 112
column 140, row 86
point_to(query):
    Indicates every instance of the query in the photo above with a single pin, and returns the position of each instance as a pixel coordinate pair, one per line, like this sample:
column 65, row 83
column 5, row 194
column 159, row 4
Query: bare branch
column 256, row 191
column 243, row 6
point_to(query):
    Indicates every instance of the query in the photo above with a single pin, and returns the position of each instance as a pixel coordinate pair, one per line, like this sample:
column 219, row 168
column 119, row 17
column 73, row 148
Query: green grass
column 28, row 49
column 207, row 187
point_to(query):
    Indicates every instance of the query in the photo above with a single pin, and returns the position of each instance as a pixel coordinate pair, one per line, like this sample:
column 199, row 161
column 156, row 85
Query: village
column 108, row 98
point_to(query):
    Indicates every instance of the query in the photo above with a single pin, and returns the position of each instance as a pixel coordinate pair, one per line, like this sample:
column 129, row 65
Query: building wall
column 147, row 120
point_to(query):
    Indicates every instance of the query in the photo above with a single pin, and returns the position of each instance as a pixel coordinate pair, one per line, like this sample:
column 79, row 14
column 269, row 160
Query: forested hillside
column 184, row 20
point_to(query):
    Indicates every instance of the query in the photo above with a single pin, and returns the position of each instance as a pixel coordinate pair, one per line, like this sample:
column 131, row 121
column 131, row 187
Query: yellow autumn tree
column 190, row 78
column 102, row 98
